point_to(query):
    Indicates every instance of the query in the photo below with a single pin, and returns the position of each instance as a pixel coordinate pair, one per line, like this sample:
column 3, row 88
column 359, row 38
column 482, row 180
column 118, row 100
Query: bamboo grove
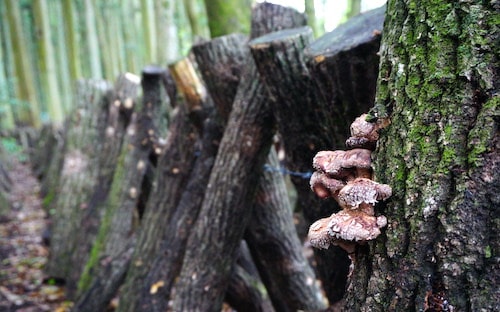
column 46, row 45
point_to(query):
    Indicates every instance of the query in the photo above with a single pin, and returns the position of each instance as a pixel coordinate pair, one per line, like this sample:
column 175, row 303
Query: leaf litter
column 23, row 254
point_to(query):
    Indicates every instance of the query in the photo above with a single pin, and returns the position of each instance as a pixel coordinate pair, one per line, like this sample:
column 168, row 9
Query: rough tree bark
column 438, row 86
column 344, row 66
column 173, row 171
column 111, row 251
column 78, row 175
column 110, row 133
column 271, row 235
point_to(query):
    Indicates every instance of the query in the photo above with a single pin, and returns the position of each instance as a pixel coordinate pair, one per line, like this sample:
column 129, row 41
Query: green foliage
column 84, row 39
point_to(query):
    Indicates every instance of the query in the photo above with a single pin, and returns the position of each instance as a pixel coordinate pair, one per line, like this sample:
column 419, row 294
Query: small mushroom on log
column 346, row 165
column 364, row 133
column 345, row 228
column 361, row 191
column 325, row 186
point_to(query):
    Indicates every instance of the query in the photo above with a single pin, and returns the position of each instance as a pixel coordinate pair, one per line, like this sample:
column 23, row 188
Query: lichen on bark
column 438, row 84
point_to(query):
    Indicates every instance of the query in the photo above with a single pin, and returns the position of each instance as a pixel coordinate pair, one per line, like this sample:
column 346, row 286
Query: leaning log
column 5, row 186
column 272, row 222
column 112, row 131
column 220, row 62
column 101, row 277
column 141, row 290
column 224, row 214
column 275, row 246
column 304, row 124
column 78, row 176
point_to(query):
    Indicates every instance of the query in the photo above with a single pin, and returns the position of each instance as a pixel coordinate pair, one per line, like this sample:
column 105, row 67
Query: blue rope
column 283, row 170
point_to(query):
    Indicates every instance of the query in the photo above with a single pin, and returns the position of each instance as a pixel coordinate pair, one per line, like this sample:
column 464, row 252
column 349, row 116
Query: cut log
column 276, row 248
column 5, row 186
column 224, row 214
column 272, row 221
column 103, row 289
column 78, row 176
column 119, row 111
column 148, row 269
column 344, row 64
column 220, row 62
column 121, row 206
column 304, row 124
column 47, row 161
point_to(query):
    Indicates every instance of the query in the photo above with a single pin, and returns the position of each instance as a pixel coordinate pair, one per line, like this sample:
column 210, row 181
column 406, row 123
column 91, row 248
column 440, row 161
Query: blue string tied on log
column 304, row 175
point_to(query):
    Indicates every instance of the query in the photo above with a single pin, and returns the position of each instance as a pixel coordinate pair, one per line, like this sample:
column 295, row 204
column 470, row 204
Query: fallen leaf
column 154, row 288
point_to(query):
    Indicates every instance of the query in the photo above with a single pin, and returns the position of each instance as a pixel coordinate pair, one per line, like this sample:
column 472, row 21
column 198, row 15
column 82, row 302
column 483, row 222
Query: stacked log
column 177, row 204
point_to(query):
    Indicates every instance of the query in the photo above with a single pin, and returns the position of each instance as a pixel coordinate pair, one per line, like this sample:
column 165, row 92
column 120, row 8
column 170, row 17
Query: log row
column 166, row 199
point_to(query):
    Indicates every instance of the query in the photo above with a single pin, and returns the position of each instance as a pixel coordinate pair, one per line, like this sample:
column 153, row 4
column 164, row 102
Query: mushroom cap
column 345, row 227
column 340, row 164
column 324, row 186
column 355, row 226
column 363, row 129
column 362, row 190
column 364, row 134
column 318, row 235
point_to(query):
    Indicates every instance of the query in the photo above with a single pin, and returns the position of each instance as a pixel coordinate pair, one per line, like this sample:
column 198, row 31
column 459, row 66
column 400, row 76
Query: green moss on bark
column 112, row 202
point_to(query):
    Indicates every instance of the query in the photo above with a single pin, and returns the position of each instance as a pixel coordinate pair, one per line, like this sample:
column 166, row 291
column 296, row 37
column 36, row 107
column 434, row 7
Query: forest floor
column 23, row 254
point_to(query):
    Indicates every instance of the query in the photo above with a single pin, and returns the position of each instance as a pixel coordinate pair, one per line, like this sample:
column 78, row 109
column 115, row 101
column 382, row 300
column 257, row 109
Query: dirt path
column 22, row 252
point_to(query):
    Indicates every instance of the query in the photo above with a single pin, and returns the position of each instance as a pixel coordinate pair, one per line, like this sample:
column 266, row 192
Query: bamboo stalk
column 71, row 35
column 92, row 41
column 46, row 62
column 64, row 55
column 6, row 115
column 149, row 30
column 24, row 72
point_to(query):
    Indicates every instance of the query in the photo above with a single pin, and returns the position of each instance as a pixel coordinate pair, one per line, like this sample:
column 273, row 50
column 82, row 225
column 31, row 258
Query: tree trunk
column 7, row 121
column 95, row 69
column 197, row 17
column 438, row 86
column 72, row 43
column 149, row 30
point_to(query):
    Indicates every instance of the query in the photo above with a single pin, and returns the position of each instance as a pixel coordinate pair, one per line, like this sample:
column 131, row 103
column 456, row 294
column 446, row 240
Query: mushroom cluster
column 347, row 176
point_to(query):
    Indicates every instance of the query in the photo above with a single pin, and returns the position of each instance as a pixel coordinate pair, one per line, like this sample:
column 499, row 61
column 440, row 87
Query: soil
column 23, row 252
